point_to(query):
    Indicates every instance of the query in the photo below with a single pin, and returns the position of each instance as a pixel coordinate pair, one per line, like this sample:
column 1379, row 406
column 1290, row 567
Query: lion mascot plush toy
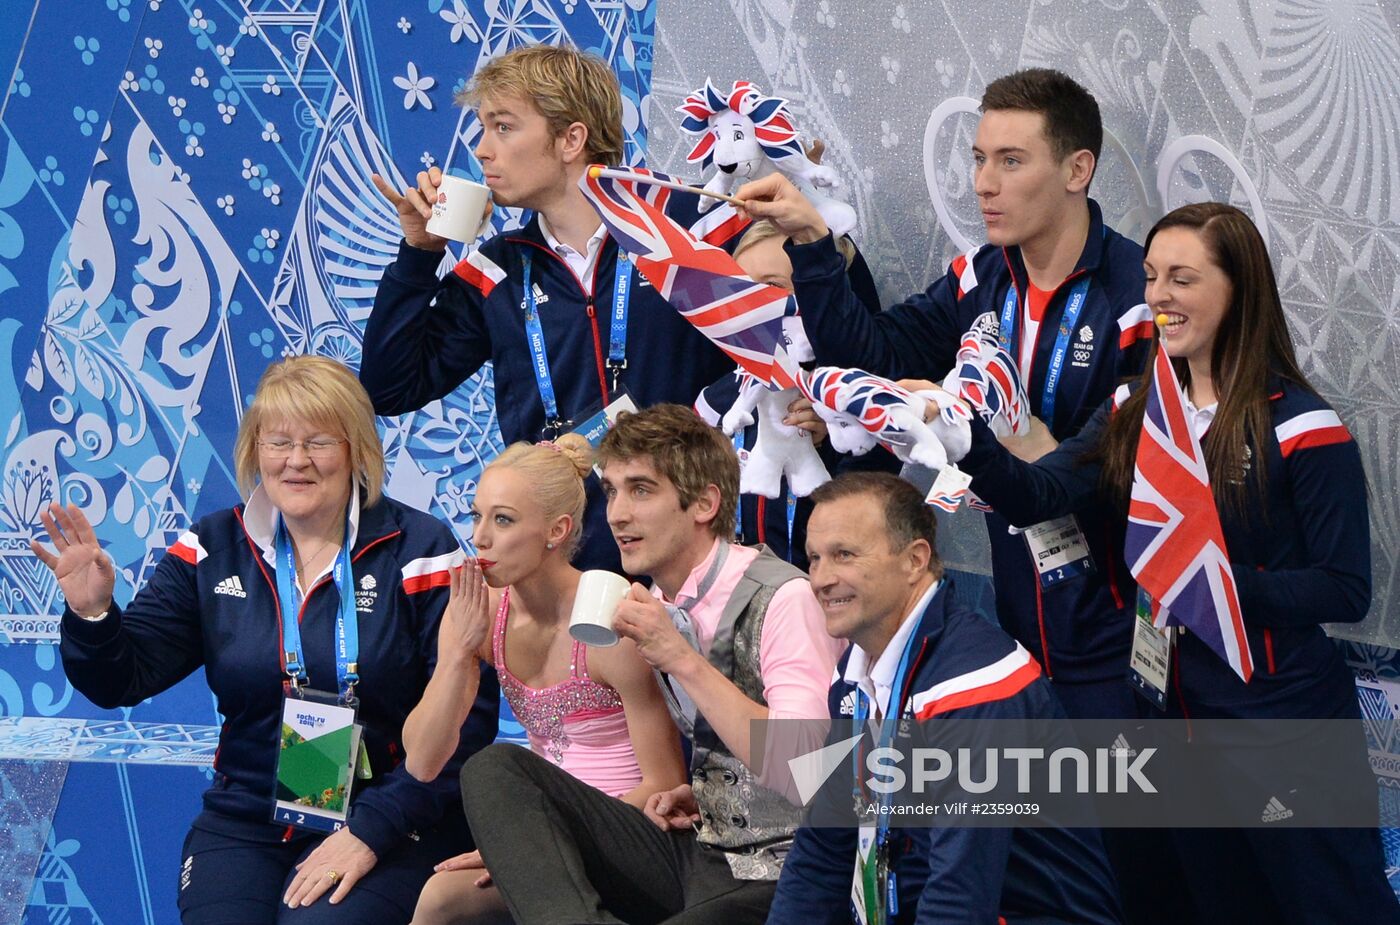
column 746, row 136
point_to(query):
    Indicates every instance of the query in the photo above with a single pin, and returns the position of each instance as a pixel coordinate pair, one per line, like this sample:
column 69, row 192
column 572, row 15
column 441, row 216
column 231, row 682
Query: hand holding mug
column 415, row 208
column 644, row 620
column 595, row 604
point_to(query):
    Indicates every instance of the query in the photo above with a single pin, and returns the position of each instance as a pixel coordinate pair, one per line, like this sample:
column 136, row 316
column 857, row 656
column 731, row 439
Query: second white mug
column 595, row 605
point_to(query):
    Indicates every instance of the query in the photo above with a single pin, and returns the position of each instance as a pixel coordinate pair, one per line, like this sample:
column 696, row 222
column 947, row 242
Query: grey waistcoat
column 750, row 823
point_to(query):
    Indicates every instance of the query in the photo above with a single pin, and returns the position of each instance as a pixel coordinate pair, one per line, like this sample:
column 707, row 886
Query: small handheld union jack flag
column 742, row 317
column 1174, row 545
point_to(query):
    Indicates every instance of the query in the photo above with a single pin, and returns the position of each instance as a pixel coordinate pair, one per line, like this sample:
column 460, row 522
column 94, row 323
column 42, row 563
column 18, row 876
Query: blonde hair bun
column 577, row 450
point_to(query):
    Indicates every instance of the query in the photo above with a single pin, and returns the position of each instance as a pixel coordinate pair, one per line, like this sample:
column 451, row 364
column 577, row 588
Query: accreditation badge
column 868, row 882
column 1149, row 666
column 1059, row 550
column 316, row 761
column 596, row 422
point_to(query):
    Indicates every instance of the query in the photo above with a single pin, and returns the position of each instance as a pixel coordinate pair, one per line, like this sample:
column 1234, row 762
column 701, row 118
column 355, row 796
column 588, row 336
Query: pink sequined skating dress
column 578, row 724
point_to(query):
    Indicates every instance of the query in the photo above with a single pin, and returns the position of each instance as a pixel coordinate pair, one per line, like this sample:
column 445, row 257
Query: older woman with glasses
column 317, row 582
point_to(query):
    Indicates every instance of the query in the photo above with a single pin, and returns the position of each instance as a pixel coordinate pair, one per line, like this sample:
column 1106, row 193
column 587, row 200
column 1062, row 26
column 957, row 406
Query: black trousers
column 1144, row 861
column 564, row 853
column 1303, row 876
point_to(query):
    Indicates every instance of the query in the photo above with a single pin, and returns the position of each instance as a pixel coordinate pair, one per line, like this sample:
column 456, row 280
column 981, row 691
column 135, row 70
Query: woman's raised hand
column 84, row 572
column 467, row 620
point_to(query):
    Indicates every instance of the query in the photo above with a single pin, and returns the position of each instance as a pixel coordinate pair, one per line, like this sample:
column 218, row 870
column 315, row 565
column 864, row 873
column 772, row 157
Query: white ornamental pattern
column 1288, row 109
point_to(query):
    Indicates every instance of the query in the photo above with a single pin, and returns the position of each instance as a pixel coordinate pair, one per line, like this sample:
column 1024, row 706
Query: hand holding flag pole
column 741, row 316
column 597, row 171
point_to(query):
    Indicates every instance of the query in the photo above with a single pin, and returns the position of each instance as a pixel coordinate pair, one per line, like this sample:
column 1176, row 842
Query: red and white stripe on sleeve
column 1004, row 678
column 1134, row 325
column 187, row 547
column 480, row 272
column 967, row 276
column 431, row 571
column 1310, row 429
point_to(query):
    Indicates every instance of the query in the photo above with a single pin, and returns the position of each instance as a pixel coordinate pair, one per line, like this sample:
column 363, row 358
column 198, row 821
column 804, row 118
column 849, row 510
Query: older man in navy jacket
column 915, row 657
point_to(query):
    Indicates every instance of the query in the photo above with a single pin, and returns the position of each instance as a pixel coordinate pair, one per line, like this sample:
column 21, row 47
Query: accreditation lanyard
column 347, row 629
column 539, row 355
column 742, row 453
column 617, row 333
column 790, row 502
column 1006, row 335
column 875, row 893
column 885, row 735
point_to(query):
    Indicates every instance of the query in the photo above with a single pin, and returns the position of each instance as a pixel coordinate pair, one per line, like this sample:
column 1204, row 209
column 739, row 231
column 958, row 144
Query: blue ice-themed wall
column 184, row 196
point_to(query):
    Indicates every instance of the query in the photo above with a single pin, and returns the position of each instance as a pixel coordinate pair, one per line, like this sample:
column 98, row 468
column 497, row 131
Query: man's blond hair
column 566, row 86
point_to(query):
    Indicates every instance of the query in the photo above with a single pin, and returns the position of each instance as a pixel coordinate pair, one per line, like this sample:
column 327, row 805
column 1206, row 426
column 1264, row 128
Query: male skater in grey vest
column 735, row 635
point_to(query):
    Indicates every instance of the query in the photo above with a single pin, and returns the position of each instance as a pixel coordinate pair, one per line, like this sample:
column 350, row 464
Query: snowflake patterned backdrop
column 184, row 197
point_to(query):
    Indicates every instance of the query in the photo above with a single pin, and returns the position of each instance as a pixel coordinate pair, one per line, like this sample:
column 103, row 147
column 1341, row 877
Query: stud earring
column 548, row 545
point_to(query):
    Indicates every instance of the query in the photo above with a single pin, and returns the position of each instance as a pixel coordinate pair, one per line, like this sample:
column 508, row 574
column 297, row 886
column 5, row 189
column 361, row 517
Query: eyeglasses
column 281, row 448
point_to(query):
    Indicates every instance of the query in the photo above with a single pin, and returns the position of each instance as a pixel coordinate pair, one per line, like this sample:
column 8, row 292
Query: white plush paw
column 735, row 420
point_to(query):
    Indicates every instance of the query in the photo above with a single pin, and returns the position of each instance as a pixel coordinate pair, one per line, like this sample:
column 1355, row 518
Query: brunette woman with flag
column 1290, row 494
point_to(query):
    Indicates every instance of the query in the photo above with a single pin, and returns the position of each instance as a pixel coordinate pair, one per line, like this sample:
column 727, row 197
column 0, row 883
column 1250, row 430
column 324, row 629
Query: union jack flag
column 742, row 317
column 1174, row 545
column 946, row 501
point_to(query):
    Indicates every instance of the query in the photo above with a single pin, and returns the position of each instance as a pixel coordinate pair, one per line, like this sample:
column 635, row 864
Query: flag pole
column 595, row 172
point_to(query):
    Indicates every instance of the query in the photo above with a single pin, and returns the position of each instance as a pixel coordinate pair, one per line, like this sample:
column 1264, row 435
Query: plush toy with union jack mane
column 987, row 379
column 861, row 410
column 779, row 449
column 747, row 135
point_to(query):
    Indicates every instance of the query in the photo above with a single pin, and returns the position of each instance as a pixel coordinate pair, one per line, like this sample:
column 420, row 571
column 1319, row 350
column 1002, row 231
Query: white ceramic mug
column 595, row 605
column 459, row 212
